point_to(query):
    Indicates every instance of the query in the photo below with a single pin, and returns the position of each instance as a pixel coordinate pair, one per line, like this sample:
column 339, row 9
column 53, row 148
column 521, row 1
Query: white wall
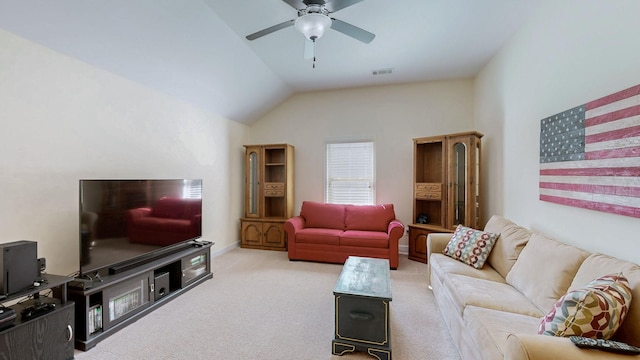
column 63, row 120
column 569, row 53
column 391, row 115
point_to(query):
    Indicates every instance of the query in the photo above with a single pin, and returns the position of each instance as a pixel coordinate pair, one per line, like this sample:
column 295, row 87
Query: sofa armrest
column 394, row 227
column 436, row 242
column 395, row 230
column 138, row 213
column 291, row 227
column 542, row 347
column 294, row 224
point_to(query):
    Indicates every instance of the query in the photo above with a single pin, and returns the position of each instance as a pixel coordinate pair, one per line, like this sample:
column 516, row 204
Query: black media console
column 45, row 332
column 106, row 306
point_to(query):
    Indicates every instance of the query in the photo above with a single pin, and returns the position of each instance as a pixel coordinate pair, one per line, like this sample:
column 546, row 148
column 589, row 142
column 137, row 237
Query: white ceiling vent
column 382, row 71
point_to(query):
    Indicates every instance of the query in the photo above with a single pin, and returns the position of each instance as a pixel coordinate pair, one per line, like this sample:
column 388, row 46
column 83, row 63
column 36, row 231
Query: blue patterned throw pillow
column 470, row 246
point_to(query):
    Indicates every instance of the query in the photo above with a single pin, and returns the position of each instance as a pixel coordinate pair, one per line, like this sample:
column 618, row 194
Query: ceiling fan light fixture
column 313, row 25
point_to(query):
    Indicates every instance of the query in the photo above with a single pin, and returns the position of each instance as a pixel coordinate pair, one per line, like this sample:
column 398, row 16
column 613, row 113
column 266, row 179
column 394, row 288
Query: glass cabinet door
column 476, row 194
column 253, row 183
column 459, row 183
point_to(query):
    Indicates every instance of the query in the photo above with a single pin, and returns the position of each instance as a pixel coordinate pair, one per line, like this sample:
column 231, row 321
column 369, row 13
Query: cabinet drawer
column 429, row 187
column 425, row 195
column 428, row 191
column 273, row 193
column 273, row 186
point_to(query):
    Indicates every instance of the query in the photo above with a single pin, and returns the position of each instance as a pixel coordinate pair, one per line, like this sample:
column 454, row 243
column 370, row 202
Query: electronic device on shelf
column 18, row 266
column 36, row 309
column 605, row 345
column 106, row 210
column 7, row 317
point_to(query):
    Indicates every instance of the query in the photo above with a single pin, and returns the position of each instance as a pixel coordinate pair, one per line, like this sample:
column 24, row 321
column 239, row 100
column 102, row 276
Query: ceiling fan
column 314, row 19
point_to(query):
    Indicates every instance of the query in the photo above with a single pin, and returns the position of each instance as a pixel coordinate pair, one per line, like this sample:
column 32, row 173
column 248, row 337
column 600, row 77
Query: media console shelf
column 118, row 300
column 46, row 336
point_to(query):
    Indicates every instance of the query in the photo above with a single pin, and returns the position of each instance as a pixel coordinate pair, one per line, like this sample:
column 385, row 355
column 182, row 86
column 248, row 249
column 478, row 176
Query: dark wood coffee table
column 362, row 296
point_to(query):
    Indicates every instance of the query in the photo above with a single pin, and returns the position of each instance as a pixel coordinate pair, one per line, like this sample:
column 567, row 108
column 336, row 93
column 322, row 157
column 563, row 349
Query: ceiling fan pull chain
column 314, row 53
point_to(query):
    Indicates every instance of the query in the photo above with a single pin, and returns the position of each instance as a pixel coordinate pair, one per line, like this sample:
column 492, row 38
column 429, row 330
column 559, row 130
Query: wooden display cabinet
column 268, row 196
column 446, row 189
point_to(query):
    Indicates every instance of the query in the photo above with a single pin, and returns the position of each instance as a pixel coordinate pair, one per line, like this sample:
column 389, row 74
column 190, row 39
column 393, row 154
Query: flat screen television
column 124, row 223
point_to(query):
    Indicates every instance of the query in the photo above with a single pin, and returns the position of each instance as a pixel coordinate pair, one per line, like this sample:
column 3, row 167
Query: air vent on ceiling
column 382, row 71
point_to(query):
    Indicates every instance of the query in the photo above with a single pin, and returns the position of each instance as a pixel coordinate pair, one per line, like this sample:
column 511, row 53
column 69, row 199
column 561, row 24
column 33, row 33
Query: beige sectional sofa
column 495, row 312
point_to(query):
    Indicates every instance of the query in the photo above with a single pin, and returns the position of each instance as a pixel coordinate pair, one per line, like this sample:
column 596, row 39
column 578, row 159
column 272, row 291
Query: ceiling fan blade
column 271, row 29
column 296, row 4
column 335, row 5
column 309, row 49
column 353, row 31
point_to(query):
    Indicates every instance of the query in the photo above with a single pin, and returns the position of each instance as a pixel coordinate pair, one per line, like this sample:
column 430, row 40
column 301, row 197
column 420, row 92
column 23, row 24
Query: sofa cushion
column 157, row 224
column 491, row 328
column 170, row 208
column 372, row 239
column 369, row 217
column 490, row 295
column 320, row 215
column 443, row 266
column 470, row 246
column 595, row 311
column 544, row 270
column 597, row 265
column 319, row 236
column 509, row 244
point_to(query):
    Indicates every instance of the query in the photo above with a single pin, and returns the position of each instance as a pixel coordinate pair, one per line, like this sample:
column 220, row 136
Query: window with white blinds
column 350, row 173
column 191, row 189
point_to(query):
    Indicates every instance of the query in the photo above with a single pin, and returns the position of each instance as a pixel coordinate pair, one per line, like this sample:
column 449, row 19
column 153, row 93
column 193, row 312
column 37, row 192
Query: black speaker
column 42, row 265
column 19, row 265
column 161, row 285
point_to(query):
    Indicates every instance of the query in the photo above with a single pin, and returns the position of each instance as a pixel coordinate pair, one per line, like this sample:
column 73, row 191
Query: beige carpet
column 260, row 305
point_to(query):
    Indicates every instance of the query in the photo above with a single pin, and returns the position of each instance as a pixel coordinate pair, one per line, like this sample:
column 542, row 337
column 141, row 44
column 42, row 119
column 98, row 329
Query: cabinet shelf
column 51, row 333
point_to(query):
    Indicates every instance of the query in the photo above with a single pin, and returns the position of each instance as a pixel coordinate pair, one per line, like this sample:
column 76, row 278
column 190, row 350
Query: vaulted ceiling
column 196, row 50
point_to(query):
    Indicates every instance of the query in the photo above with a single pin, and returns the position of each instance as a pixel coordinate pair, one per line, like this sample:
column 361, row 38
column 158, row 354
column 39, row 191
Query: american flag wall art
column 590, row 155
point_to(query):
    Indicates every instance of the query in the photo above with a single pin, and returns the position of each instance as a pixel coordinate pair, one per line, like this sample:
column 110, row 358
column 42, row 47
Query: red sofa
column 332, row 232
column 171, row 220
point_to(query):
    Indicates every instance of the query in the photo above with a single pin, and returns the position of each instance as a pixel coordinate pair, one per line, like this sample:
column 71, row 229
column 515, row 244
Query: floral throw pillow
column 470, row 246
column 595, row 311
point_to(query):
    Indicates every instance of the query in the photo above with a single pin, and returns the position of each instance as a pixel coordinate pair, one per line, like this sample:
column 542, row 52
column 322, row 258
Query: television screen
column 128, row 221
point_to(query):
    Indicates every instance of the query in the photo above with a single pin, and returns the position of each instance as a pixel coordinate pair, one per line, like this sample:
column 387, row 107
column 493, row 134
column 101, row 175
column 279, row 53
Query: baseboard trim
column 225, row 249
column 402, row 249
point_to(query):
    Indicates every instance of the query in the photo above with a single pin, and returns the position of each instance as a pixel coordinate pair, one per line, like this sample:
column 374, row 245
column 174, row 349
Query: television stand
column 122, row 298
column 46, row 334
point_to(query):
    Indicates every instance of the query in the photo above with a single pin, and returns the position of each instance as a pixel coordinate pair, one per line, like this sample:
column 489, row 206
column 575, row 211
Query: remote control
column 605, row 345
